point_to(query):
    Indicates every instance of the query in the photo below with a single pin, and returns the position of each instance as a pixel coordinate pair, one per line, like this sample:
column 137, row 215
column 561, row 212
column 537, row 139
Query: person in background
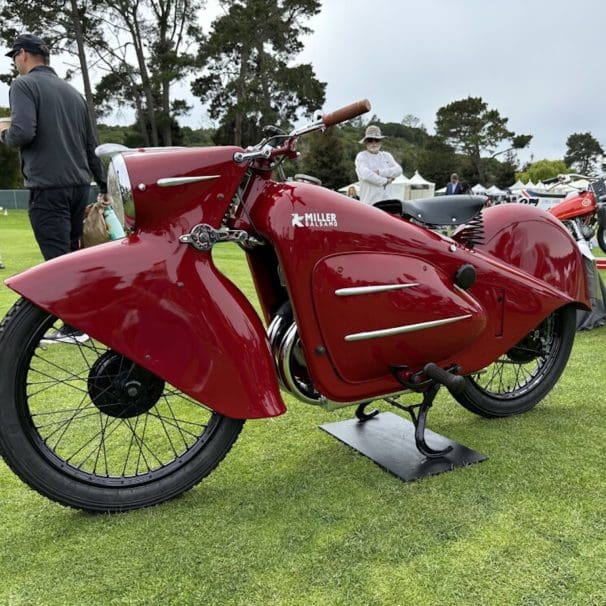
column 352, row 193
column 51, row 128
column 453, row 186
column 376, row 169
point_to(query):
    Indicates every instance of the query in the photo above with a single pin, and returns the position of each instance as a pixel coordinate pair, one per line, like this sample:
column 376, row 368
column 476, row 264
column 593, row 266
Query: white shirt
column 375, row 172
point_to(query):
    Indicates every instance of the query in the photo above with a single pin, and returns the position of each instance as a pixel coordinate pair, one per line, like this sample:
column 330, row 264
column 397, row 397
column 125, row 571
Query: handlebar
column 346, row 113
column 264, row 149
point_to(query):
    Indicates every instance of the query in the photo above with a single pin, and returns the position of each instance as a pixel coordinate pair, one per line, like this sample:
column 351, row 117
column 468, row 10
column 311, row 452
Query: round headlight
column 119, row 188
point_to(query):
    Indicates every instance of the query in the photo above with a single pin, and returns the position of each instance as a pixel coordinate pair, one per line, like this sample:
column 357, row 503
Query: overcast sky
column 540, row 63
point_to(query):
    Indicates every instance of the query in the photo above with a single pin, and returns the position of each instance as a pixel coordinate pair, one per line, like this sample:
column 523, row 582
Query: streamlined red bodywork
column 368, row 290
column 166, row 306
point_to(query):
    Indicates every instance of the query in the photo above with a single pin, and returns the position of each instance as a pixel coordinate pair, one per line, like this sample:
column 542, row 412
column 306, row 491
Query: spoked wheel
column 523, row 376
column 601, row 236
column 87, row 427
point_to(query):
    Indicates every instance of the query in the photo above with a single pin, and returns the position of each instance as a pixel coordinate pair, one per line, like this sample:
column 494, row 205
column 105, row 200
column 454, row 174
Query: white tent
column 478, row 189
column 517, row 186
column 530, row 185
column 400, row 188
column 493, row 190
column 420, row 187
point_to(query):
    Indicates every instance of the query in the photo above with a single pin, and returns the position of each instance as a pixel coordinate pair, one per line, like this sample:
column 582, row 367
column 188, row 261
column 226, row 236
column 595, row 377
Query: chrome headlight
column 119, row 188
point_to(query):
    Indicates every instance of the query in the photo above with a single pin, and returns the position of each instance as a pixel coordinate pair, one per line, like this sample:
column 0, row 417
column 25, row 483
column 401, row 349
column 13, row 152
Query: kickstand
column 419, row 418
column 365, row 416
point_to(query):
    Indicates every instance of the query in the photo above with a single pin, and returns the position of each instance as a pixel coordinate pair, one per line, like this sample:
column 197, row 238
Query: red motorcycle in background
column 360, row 304
column 584, row 214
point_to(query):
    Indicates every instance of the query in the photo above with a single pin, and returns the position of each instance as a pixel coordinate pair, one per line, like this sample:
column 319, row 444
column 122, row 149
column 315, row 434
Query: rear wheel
column 524, row 375
column 89, row 428
column 601, row 236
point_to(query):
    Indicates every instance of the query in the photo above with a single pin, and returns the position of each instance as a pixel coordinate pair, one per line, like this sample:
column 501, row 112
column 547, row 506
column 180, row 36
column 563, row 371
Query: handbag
column 95, row 228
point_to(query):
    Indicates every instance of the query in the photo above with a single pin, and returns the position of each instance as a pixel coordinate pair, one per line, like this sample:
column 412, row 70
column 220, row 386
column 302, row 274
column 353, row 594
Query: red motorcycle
column 584, row 214
column 360, row 304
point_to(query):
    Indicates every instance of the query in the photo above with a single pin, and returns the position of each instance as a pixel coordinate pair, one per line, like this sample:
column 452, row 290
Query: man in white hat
column 376, row 169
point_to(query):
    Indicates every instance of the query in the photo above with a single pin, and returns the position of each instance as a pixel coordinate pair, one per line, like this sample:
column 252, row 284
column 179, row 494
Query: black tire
column 523, row 376
column 88, row 428
column 601, row 237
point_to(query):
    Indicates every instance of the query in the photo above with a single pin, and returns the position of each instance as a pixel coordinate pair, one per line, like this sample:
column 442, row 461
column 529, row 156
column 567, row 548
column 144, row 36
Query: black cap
column 32, row 44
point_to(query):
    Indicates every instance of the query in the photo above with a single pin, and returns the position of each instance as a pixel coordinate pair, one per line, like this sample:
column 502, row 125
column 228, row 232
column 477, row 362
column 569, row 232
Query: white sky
column 538, row 62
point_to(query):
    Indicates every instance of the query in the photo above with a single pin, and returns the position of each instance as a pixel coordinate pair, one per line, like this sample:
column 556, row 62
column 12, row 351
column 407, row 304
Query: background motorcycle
column 585, row 214
column 359, row 304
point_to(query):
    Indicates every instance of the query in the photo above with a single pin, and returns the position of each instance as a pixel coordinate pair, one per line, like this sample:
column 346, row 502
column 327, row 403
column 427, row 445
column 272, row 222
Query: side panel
column 353, row 319
column 166, row 307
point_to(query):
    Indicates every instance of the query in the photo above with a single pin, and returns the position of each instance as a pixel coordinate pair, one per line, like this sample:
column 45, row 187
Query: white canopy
column 478, row 189
column 518, row 185
column 416, row 179
column 493, row 190
column 400, row 187
column 420, row 187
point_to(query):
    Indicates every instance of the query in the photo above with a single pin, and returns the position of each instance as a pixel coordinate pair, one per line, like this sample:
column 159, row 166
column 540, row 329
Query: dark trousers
column 56, row 216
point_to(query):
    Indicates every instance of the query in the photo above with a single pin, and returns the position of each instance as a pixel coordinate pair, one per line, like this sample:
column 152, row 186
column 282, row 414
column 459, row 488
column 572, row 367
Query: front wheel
column 89, row 428
column 524, row 375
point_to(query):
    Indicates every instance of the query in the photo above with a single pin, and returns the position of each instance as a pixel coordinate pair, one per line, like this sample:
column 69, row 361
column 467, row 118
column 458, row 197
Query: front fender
column 166, row 307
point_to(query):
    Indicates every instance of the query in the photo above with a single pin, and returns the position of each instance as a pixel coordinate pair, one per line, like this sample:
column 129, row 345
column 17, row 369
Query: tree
column 324, row 157
column 473, row 129
column 157, row 32
column 437, row 161
column 109, row 34
column 541, row 170
column 249, row 79
column 583, row 153
column 64, row 25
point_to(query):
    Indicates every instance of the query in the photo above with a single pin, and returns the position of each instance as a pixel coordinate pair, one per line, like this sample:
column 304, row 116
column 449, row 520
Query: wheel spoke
column 523, row 366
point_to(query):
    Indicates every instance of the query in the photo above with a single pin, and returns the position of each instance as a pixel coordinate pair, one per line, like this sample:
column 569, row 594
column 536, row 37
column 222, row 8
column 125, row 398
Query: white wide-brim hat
column 372, row 132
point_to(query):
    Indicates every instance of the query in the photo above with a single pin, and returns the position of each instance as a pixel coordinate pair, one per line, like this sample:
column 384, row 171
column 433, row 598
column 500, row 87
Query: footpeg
column 454, row 383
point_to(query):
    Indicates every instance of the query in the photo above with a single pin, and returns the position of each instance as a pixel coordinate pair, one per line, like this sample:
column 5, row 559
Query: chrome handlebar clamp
column 240, row 157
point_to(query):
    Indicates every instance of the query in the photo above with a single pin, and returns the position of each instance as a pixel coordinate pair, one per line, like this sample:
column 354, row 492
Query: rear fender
column 535, row 242
column 165, row 306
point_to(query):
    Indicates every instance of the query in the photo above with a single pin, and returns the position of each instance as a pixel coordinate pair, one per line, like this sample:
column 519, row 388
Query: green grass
column 294, row 517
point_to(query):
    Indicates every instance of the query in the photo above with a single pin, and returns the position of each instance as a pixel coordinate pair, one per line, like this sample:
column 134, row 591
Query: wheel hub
column 528, row 349
column 121, row 388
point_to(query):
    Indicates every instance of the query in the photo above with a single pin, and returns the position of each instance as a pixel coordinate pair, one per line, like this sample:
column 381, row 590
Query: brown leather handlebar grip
column 346, row 113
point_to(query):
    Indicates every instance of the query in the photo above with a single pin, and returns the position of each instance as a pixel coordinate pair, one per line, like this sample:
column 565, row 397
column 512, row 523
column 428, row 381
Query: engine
column 290, row 360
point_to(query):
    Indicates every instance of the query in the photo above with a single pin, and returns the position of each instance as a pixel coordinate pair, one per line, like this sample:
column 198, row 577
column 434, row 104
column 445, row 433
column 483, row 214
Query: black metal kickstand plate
column 389, row 441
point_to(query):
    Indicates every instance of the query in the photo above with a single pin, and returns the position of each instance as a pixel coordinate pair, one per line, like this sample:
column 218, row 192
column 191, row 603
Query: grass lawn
column 293, row 516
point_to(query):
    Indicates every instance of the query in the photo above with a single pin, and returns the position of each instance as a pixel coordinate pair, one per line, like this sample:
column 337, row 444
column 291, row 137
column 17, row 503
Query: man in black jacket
column 51, row 128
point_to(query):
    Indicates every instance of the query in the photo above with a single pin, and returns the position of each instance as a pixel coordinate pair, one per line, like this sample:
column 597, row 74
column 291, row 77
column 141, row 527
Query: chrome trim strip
column 397, row 330
column 173, row 181
column 368, row 290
